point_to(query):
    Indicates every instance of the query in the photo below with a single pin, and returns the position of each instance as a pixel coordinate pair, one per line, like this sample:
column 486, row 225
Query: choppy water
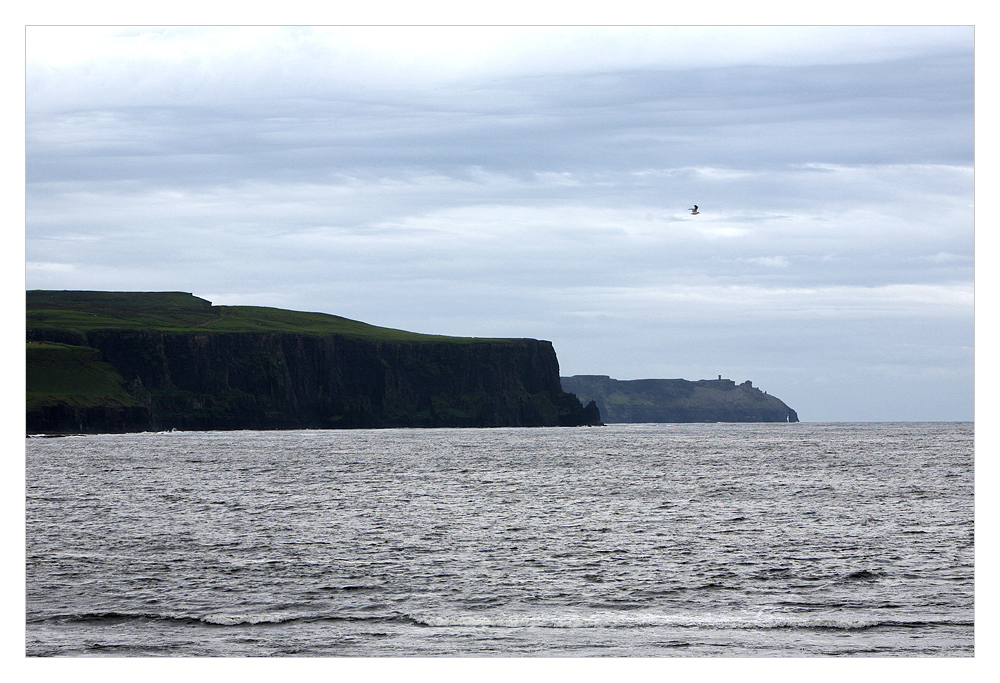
column 628, row 540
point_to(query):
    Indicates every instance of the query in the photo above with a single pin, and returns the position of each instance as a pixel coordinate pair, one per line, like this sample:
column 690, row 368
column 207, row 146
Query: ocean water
column 682, row 540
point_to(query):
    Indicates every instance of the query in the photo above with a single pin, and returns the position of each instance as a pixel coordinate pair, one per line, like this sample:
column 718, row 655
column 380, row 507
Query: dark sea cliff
column 140, row 361
column 208, row 381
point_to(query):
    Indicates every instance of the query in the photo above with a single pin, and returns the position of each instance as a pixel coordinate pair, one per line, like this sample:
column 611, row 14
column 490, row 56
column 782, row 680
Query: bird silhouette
column 694, row 211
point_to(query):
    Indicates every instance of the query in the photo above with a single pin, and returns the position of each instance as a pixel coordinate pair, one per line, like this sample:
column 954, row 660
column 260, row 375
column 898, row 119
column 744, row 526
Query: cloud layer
column 502, row 182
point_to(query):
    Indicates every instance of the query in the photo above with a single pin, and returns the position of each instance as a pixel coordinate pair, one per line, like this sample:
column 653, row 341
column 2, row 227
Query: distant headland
column 678, row 400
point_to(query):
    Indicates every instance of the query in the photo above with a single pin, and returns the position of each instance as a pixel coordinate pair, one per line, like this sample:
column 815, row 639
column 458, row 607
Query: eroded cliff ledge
column 134, row 361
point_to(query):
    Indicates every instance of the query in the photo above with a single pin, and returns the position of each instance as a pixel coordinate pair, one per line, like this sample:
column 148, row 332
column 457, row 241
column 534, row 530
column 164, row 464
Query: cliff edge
column 678, row 400
column 136, row 361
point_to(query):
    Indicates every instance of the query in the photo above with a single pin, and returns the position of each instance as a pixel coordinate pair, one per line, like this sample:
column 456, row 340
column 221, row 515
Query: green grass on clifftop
column 71, row 375
column 180, row 312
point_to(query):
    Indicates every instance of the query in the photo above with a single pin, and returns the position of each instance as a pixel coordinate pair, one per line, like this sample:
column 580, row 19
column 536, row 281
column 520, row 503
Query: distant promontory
column 678, row 400
column 102, row 362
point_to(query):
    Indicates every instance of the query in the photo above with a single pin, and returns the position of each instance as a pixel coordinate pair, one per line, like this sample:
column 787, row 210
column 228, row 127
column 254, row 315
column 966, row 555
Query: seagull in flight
column 694, row 211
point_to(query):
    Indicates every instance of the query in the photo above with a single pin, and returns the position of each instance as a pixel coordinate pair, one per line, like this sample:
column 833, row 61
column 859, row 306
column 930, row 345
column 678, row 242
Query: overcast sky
column 534, row 182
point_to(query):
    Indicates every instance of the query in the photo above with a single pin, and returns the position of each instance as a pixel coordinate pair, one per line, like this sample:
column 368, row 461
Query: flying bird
column 694, row 211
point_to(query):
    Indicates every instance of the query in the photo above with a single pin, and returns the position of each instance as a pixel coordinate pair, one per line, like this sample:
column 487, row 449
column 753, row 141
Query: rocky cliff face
column 70, row 389
column 246, row 380
column 678, row 400
column 66, row 419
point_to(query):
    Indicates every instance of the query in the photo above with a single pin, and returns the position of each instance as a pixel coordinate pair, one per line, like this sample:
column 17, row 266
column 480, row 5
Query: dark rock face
column 678, row 400
column 243, row 380
column 64, row 419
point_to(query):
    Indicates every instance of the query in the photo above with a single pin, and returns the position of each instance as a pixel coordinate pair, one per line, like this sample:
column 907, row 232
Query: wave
column 109, row 617
column 247, row 619
column 617, row 620
column 213, row 619
column 864, row 575
column 510, row 620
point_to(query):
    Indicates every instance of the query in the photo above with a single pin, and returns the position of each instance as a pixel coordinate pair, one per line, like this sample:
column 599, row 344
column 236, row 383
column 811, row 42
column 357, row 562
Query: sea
column 628, row 540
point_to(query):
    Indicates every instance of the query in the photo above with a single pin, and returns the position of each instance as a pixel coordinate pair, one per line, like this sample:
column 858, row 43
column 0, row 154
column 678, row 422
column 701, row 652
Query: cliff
column 678, row 400
column 120, row 361
column 70, row 389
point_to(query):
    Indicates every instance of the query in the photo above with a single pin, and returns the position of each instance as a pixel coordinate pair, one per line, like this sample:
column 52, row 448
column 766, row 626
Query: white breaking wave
column 234, row 619
column 615, row 620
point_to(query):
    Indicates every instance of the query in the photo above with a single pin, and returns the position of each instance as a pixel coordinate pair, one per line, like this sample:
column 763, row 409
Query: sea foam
column 235, row 619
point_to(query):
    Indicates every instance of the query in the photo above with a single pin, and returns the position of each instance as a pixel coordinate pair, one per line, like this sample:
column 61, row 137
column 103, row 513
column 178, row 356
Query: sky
column 535, row 182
